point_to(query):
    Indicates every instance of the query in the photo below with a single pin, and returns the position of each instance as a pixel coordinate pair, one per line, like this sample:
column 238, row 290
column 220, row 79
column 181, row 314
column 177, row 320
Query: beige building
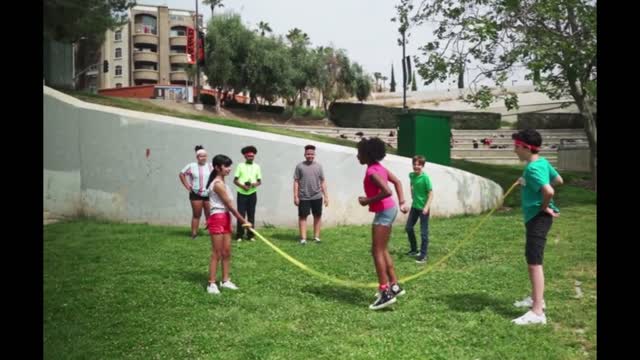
column 150, row 49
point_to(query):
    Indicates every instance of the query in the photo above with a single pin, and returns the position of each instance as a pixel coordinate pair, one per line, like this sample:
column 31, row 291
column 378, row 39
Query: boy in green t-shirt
column 538, row 210
column 247, row 178
column 422, row 194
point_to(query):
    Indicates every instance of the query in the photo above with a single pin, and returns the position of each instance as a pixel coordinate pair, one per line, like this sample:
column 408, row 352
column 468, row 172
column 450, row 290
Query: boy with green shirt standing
column 538, row 210
column 422, row 194
column 247, row 178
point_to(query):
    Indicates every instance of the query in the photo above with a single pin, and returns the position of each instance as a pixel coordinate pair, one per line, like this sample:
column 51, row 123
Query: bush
column 307, row 112
column 551, row 121
column 377, row 116
column 207, row 99
column 252, row 107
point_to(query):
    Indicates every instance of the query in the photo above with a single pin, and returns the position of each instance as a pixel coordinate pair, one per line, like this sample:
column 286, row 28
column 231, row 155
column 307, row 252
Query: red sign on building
column 191, row 46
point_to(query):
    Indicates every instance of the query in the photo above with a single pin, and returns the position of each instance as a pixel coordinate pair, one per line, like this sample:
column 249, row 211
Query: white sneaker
column 527, row 303
column 317, row 240
column 229, row 285
column 239, row 239
column 303, row 242
column 213, row 289
column 530, row 318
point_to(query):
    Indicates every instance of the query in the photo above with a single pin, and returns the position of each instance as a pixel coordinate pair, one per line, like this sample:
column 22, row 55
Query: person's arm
column 384, row 191
column 237, row 183
column 220, row 189
column 398, row 185
column 557, row 181
column 258, row 177
column 325, row 193
column 540, row 181
column 184, row 181
column 296, row 187
column 427, row 206
column 547, row 195
column 236, row 177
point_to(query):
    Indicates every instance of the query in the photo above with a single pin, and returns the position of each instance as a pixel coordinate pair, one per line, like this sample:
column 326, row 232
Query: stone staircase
column 500, row 151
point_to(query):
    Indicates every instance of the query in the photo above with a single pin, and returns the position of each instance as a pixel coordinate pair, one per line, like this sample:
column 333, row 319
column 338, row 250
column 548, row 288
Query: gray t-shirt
column 310, row 177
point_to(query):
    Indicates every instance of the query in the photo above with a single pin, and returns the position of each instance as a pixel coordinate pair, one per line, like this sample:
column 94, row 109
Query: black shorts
column 315, row 206
column 537, row 229
column 194, row 196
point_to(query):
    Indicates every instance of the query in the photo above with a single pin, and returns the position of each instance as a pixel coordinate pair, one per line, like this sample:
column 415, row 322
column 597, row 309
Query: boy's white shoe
column 213, row 289
column 530, row 318
column 229, row 285
column 527, row 302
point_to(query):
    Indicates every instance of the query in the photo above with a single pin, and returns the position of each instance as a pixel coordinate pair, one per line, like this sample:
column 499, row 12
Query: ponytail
column 218, row 160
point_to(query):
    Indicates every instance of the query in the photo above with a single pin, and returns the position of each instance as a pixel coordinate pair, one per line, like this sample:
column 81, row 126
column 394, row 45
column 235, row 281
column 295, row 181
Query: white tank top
column 217, row 206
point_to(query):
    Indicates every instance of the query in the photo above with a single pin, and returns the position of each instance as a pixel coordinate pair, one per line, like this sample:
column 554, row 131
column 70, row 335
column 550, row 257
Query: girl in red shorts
column 219, row 223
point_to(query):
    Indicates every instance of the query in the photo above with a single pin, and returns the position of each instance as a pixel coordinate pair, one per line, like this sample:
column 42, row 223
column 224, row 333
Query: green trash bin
column 425, row 133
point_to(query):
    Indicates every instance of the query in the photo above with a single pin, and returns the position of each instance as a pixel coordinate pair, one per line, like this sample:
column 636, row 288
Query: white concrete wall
column 95, row 164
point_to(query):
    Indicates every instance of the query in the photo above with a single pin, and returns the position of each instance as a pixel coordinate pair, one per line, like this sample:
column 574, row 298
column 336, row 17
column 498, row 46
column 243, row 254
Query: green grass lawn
column 116, row 291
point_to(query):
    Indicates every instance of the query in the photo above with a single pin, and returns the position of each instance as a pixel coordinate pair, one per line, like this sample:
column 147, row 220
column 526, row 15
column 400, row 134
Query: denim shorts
column 386, row 217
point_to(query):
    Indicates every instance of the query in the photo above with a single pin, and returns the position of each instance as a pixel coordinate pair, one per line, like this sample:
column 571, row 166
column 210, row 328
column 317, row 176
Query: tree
column 377, row 76
column 296, row 36
column 213, row 4
column 392, row 84
column 414, row 85
column 384, row 82
column 336, row 78
column 554, row 40
column 362, row 84
column 304, row 65
column 226, row 64
column 264, row 27
column 268, row 69
column 71, row 20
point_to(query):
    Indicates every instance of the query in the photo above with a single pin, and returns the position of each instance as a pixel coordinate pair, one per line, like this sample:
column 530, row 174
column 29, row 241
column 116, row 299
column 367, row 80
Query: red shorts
column 219, row 223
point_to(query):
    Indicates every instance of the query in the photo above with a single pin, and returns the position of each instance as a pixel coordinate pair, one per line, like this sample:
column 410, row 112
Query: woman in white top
column 219, row 223
column 193, row 177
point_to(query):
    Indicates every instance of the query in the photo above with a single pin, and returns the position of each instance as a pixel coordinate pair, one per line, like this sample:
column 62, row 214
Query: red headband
column 525, row 145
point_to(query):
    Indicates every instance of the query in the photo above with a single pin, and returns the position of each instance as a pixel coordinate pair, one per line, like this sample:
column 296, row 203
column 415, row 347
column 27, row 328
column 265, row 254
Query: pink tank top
column 370, row 188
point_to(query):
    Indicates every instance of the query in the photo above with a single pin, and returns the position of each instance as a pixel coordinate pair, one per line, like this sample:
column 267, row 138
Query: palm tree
column 264, row 27
column 213, row 4
column 296, row 35
column 377, row 76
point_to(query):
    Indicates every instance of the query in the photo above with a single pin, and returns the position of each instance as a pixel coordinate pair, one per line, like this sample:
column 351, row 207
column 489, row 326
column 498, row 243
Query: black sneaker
column 412, row 253
column 385, row 299
column 396, row 290
column 421, row 260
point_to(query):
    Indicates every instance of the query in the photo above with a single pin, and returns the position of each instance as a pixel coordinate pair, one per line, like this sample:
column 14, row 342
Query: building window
column 146, row 24
column 118, row 85
column 178, row 31
column 118, row 70
column 118, row 53
column 118, row 35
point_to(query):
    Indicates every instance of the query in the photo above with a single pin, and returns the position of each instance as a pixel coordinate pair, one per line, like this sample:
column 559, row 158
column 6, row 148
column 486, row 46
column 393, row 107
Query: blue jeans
column 414, row 214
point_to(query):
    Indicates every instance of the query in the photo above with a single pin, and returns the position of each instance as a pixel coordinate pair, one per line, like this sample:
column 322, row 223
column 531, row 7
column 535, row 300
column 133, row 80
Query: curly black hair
column 199, row 147
column 529, row 136
column 372, row 149
column 249, row 148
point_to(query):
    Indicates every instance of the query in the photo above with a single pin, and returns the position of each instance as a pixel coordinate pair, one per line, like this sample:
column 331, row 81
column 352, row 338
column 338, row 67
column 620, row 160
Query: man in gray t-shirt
column 309, row 187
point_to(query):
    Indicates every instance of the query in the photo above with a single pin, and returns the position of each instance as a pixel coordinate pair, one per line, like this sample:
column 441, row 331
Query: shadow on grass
column 283, row 236
column 356, row 297
column 475, row 302
column 196, row 277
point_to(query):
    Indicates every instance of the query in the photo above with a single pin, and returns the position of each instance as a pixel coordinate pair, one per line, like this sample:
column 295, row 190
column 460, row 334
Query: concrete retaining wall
column 123, row 165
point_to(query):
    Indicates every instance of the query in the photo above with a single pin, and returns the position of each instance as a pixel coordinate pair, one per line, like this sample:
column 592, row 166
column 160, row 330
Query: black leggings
column 246, row 208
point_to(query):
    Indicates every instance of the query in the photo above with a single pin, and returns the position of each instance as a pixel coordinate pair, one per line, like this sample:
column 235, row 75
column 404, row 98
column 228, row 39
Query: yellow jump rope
column 354, row 284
